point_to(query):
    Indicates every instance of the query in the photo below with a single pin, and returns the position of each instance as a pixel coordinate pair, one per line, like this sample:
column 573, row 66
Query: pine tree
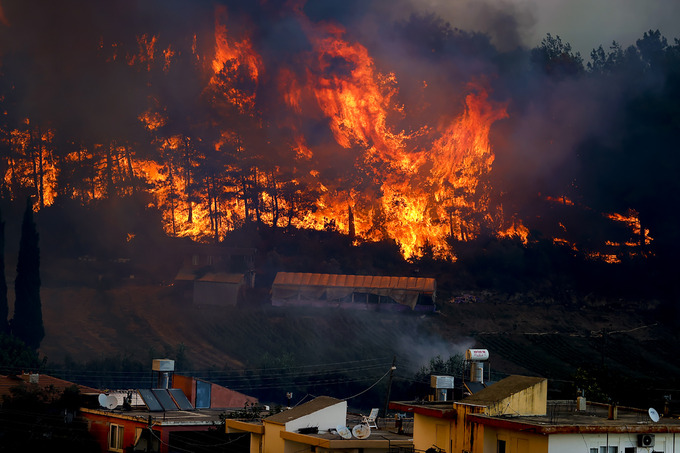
column 27, row 323
column 4, row 306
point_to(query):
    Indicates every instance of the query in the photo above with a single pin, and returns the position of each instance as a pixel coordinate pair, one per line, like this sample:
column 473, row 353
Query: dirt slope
column 523, row 336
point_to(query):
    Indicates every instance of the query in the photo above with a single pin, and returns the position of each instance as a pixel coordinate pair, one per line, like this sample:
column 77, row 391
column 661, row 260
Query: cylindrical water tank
column 477, row 372
column 477, row 354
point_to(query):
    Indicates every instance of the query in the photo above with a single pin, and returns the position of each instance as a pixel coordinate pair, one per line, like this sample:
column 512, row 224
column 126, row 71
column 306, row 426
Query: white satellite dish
column 361, row 431
column 112, row 402
column 344, row 432
column 107, row 401
column 653, row 414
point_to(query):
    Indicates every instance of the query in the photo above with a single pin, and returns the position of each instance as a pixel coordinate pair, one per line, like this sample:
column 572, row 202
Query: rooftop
column 561, row 417
column 177, row 418
column 309, row 407
column 502, row 389
column 43, row 381
column 379, row 438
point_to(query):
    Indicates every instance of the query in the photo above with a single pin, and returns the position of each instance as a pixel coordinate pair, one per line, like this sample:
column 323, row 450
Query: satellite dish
column 111, row 402
column 653, row 414
column 361, row 431
column 344, row 432
column 107, row 401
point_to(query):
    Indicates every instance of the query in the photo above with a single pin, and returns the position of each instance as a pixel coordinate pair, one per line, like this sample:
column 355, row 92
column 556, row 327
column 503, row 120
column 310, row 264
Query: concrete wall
column 216, row 293
column 517, row 441
column 429, row 431
column 271, row 440
column 531, row 401
column 567, row 443
column 450, row 434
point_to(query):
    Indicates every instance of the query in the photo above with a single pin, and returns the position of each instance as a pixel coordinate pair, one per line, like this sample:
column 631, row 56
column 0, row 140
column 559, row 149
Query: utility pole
column 389, row 385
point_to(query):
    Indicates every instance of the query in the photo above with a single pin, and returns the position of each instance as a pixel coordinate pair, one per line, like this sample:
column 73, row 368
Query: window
column 500, row 446
column 115, row 437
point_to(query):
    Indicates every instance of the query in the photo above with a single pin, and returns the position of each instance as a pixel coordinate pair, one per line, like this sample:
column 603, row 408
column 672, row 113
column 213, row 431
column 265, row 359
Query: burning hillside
column 229, row 114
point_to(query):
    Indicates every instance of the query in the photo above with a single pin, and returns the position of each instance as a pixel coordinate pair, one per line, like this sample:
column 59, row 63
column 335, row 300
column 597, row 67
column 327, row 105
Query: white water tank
column 441, row 382
column 477, row 354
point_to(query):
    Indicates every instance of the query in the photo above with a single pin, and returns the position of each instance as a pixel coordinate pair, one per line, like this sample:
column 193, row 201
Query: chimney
column 581, row 403
column 613, row 412
column 34, row 378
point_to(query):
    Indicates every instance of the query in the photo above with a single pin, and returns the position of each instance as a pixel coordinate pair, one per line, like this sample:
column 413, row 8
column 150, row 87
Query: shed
column 354, row 291
column 214, row 288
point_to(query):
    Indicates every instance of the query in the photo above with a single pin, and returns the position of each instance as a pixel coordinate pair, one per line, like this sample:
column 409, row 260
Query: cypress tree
column 4, row 306
column 27, row 323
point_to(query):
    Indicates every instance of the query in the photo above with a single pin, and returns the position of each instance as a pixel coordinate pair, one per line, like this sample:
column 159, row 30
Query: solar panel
column 165, row 399
column 150, row 400
column 181, row 399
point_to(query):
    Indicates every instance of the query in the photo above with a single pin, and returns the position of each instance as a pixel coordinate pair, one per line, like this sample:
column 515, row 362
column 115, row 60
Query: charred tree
column 27, row 323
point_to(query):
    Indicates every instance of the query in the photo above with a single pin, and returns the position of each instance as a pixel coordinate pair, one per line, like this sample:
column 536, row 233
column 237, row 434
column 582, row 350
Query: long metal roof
column 425, row 285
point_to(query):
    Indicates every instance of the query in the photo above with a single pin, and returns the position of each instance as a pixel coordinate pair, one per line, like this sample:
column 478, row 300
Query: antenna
column 361, row 431
column 344, row 432
column 653, row 414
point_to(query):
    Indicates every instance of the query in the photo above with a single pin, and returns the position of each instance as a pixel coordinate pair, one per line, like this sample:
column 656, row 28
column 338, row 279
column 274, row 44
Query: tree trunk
column 131, row 173
column 350, row 220
column 172, row 198
column 108, row 171
column 187, row 179
column 275, row 201
column 244, row 189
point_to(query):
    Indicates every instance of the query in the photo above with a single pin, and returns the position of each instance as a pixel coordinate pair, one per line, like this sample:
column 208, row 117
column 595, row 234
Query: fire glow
column 422, row 184
column 326, row 148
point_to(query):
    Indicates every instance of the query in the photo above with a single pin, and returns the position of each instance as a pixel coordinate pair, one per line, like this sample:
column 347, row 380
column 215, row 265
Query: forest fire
column 422, row 186
column 329, row 137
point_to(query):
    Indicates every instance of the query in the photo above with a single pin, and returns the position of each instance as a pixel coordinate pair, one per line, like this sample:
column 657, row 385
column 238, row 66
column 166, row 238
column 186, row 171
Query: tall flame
column 421, row 187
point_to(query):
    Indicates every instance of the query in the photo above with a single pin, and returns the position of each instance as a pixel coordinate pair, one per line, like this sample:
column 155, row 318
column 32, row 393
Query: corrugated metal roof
column 355, row 281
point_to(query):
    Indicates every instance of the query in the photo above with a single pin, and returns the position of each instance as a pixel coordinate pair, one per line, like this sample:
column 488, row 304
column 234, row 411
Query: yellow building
column 514, row 416
column 313, row 427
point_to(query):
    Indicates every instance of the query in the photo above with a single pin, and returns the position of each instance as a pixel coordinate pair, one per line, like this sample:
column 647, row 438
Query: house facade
column 121, row 430
column 514, row 416
column 164, row 420
column 315, row 427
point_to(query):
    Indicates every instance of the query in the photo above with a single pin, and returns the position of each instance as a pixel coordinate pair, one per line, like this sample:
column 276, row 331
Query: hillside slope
column 523, row 336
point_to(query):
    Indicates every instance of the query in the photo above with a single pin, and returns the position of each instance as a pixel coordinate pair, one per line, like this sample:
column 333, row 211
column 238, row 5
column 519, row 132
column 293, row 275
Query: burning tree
column 230, row 115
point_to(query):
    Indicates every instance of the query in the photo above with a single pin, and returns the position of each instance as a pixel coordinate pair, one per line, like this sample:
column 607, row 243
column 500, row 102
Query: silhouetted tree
column 556, row 58
column 4, row 307
column 27, row 323
column 15, row 356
